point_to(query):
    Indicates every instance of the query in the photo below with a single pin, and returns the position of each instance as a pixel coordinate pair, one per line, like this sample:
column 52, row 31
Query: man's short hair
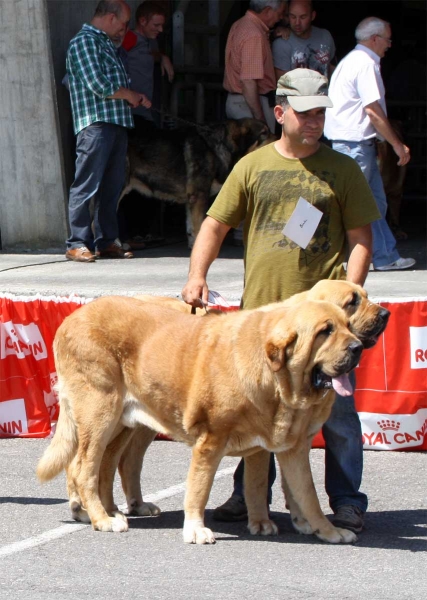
column 309, row 2
column 258, row 5
column 283, row 102
column 109, row 7
column 369, row 27
column 148, row 9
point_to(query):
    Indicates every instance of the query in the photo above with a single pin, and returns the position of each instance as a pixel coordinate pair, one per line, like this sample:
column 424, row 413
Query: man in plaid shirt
column 101, row 103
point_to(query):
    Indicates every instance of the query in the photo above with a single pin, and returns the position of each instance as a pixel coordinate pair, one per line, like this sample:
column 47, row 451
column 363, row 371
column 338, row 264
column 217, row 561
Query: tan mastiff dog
column 229, row 385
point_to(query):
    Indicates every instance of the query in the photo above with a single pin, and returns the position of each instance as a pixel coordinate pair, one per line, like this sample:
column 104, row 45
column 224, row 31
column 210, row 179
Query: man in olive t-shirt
column 264, row 189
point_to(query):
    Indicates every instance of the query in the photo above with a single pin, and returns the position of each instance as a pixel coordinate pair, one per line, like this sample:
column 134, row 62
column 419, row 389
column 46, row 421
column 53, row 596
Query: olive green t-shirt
column 263, row 190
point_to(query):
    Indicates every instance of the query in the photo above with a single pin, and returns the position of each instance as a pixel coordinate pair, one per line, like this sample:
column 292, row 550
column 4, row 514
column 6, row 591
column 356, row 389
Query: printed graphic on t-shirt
column 316, row 59
column 277, row 203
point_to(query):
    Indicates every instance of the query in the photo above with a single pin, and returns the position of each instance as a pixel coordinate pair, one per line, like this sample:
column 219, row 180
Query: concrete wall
column 32, row 191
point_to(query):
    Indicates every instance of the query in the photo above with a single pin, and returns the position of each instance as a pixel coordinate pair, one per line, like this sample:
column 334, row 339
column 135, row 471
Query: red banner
column 391, row 395
column 28, row 404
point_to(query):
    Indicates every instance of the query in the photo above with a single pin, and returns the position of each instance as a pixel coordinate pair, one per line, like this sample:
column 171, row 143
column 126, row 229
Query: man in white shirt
column 358, row 118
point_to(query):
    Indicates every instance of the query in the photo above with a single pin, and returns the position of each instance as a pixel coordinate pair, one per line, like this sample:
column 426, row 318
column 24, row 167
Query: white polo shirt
column 355, row 83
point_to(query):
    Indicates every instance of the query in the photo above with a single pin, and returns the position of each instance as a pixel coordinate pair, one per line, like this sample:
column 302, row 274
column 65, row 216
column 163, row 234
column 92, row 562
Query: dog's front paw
column 337, row 536
column 301, row 525
column 114, row 524
column 146, row 509
column 78, row 513
column 262, row 527
column 117, row 514
column 196, row 533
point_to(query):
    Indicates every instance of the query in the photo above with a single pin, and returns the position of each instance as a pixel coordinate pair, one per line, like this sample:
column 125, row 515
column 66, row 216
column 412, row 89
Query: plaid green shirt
column 96, row 72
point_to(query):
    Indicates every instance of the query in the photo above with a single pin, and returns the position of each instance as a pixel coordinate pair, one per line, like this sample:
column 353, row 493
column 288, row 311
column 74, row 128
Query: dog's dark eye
column 327, row 330
column 355, row 300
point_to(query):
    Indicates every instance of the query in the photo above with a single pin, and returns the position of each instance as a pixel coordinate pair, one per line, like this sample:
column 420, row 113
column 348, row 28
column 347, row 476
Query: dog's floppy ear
column 277, row 348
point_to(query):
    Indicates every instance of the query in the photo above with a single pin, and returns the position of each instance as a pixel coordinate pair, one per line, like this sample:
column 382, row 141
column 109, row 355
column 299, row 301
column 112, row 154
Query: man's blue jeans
column 100, row 174
column 364, row 153
column 343, row 457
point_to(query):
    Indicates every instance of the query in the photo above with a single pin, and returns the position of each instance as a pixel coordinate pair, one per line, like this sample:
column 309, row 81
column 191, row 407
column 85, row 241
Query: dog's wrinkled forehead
column 315, row 315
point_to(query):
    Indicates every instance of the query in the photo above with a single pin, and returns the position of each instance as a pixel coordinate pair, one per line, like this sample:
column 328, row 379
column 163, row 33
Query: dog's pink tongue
column 342, row 385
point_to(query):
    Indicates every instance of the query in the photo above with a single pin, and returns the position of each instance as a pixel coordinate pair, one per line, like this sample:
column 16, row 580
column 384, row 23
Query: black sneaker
column 234, row 509
column 349, row 517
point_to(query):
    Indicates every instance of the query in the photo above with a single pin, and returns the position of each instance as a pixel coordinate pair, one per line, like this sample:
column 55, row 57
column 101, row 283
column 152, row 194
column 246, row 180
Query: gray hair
column 283, row 102
column 106, row 7
column 258, row 5
column 369, row 27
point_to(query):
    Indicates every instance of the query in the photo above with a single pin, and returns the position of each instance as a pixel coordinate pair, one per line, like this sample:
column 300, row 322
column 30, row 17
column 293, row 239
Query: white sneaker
column 397, row 265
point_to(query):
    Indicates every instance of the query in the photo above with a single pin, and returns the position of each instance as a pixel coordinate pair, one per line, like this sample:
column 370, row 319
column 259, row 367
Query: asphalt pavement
column 44, row 555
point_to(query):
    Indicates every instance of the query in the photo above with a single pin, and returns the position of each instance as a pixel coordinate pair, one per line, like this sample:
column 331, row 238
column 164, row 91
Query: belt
column 370, row 142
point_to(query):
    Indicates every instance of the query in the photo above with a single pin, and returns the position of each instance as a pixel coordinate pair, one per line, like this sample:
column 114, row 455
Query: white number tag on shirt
column 303, row 223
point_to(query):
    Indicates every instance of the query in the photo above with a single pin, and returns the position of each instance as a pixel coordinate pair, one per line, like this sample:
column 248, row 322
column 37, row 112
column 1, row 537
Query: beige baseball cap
column 305, row 89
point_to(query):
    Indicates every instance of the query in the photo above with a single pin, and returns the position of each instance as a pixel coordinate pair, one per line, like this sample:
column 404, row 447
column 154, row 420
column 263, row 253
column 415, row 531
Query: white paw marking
column 263, row 527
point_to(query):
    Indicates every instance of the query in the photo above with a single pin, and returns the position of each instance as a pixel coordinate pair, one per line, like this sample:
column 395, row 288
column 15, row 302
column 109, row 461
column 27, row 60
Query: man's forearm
column 379, row 120
column 250, row 93
column 358, row 265
column 206, row 248
column 360, row 254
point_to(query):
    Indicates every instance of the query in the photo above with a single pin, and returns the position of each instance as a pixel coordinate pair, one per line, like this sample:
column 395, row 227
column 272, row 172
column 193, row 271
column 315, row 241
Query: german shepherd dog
column 189, row 165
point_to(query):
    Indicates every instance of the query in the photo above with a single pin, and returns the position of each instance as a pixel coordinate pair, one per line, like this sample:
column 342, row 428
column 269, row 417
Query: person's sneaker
column 397, row 265
column 349, row 517
column 234, row 509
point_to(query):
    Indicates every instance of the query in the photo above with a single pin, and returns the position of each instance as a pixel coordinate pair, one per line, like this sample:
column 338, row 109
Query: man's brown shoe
column 81, row 254
column 114, row 250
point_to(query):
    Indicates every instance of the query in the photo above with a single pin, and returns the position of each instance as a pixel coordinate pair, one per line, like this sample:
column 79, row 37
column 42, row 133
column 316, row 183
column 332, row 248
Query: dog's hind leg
column 108, row 469
column 256, row 488
column 207, row 454
column 96, row 429
column 130, row 467
column 78, row 512
column 106, row 479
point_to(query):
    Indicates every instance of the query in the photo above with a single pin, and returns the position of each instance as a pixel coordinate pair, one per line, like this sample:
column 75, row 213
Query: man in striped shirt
column 101, row 104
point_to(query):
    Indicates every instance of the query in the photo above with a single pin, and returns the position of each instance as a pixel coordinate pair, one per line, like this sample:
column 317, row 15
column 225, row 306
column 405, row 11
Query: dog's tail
column 62, row 448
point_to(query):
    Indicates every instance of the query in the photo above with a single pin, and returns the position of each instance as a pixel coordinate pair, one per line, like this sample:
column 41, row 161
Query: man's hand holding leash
column 205, row 251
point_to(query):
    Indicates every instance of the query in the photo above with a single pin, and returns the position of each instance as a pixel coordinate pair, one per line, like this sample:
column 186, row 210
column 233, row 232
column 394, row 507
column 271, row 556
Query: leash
column 161, row 111
column 193, row 308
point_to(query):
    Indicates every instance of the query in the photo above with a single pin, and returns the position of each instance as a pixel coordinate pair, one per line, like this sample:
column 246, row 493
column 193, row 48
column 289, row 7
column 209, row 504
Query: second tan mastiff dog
column 233, row 385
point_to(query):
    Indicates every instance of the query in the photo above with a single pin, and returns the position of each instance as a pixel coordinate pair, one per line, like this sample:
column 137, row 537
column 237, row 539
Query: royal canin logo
column 418, row 336
column 406, row 431
column 389, row 425
column 13, row 418
column 21, row 341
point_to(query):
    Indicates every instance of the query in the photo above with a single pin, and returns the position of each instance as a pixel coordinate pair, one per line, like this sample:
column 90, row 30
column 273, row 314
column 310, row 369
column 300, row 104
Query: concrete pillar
column 33, row 196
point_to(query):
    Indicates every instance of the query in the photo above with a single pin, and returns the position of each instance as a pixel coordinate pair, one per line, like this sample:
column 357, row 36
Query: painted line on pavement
column 59, row 532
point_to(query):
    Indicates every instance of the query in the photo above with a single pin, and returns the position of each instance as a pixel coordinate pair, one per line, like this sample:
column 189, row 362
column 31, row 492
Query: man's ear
column 278, row 113
column 313, row 15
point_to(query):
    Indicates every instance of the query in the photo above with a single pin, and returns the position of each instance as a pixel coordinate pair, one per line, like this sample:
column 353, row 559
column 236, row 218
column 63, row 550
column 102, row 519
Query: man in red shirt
column 249, row 72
